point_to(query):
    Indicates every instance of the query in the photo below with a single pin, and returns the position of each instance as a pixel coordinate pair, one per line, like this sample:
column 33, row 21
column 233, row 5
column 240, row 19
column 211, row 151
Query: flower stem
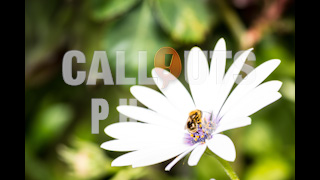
column 226, row 166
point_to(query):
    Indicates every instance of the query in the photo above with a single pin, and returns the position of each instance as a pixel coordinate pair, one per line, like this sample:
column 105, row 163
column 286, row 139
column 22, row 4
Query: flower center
column 200, row 127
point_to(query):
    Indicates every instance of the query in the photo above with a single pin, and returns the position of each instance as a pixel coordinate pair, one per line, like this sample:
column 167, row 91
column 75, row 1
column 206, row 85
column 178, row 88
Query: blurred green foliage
column 58, row 139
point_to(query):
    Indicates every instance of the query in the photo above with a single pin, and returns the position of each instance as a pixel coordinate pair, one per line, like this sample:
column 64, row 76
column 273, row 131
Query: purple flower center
column 204, row 130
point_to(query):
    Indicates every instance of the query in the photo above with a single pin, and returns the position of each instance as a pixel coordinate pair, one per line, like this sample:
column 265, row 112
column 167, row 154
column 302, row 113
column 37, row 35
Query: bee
column 193, row 121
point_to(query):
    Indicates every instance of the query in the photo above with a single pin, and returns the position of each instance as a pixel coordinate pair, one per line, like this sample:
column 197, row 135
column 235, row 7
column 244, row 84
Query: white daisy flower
column 176, row 124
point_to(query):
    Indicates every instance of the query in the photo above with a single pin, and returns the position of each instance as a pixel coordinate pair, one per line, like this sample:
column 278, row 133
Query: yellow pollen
column 195, row 139
column 197, row 136
column 191, row 135
column 202, row 136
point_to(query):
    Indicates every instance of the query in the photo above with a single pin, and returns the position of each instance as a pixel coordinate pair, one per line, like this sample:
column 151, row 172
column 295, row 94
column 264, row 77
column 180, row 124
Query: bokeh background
column 58, row 139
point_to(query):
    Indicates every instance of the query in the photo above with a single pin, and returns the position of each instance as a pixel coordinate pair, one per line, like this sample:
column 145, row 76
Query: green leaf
column 135, row 32
column 258, row 139
column 269, row 168
column 50, row 123
column 102, row 10
column 186, row 20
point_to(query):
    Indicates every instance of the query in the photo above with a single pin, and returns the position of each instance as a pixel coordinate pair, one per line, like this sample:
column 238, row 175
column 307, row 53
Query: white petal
column 134, row 144
column 229, row 80
column 217, row 69
column 218, row 62
column 222, row 146
column 261, row 90
column 196, row 154
column 232, row 124
column 176, row 93
column 146, row 115
column 256, row 106
column 198, row 72
column 156, row 155
column 157, row 102
column 178, row 158
column 126, row 159
column 150, row 155
column 147, row 132
column 122, row 145
column 258, row 75
column 251, row 104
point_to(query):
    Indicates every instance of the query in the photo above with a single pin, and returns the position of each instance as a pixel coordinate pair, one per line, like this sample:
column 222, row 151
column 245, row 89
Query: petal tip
column 119, row 108
column 277, row 62
column 103, row 145
column 221, row 42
